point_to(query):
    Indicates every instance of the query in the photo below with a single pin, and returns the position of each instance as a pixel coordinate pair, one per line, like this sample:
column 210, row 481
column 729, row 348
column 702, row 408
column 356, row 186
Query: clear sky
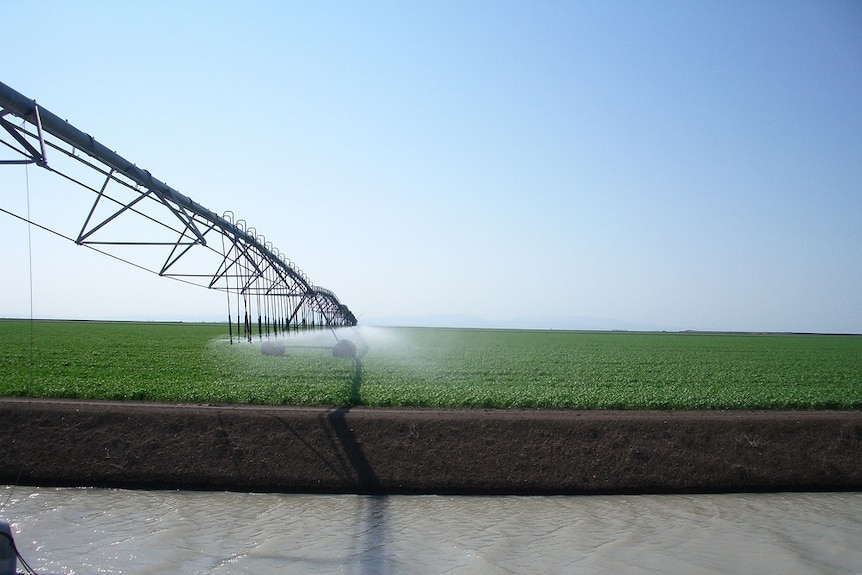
column 634, row 165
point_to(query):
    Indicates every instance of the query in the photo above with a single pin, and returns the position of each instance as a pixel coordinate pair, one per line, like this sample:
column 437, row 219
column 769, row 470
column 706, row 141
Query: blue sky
column 634, row 165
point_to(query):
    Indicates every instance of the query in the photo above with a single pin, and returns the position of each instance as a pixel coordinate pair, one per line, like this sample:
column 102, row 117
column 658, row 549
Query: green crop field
column 432, row 367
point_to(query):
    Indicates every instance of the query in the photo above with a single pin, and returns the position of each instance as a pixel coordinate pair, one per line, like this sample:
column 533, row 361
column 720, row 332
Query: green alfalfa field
column 424, row 367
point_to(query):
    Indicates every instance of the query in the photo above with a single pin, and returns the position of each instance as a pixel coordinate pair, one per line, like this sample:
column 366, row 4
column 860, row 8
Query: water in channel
column 86, row 531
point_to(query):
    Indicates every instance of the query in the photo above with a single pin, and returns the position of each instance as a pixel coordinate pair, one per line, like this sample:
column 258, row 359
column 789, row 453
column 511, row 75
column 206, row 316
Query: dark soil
column 361, row 450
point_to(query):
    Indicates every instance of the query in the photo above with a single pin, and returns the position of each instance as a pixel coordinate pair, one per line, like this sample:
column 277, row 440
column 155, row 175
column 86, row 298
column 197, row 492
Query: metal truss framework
column 182, row 239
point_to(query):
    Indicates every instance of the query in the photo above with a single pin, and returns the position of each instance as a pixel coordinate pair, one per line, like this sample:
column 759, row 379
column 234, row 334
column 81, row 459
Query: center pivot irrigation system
column 140, row 220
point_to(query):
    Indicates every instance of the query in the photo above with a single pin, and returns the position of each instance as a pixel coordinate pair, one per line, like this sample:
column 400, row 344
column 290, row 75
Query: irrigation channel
column 69, row 530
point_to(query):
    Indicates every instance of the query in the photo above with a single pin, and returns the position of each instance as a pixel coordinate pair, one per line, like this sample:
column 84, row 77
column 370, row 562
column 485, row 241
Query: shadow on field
column 369, row 551
column 352, row 458
column 346, row 458
column 355, row 397
column 342, row 438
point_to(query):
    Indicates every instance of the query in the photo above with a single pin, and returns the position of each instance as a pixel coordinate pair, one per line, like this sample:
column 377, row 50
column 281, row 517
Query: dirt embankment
column 360, row 450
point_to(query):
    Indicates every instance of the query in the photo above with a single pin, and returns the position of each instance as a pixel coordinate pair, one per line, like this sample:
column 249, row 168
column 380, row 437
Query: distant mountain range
column 471, row 321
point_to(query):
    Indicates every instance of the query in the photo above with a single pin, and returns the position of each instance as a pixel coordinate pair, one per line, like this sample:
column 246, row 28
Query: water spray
column 343, row 348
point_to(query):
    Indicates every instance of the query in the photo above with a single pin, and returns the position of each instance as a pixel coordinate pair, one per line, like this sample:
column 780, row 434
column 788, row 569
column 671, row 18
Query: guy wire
column 31, row 343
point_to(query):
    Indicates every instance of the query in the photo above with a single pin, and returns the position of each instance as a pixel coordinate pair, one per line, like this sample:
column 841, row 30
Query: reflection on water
column 117, row 531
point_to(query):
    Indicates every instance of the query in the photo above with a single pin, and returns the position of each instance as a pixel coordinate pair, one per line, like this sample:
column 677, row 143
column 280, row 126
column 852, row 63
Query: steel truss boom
column 242, row 262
